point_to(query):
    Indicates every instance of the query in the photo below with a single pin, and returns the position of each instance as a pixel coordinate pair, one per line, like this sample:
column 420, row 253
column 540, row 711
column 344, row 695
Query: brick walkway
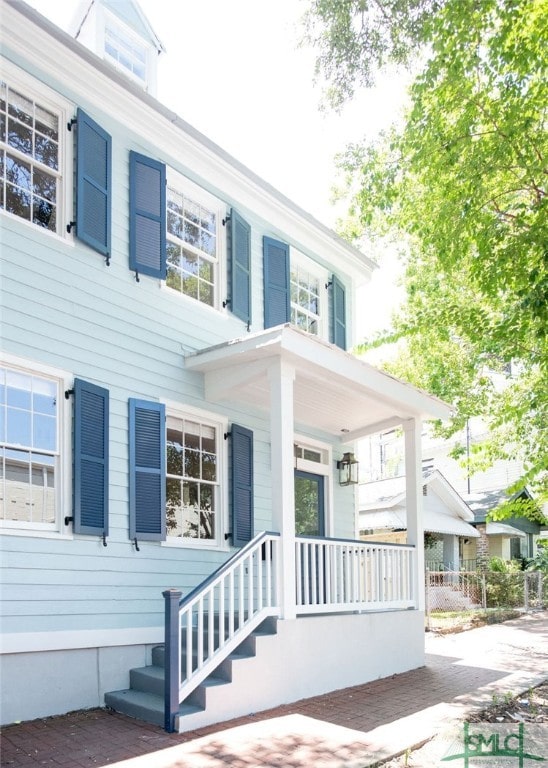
column 351, row 727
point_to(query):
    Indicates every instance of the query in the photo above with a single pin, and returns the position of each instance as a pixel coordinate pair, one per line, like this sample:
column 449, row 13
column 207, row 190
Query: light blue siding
column 62, row 306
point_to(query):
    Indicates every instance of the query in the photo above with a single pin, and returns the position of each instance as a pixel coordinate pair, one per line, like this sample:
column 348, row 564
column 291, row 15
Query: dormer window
column 125, row 50
column 120, row 33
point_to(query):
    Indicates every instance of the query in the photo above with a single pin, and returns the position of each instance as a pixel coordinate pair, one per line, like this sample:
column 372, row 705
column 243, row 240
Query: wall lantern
column 348, row 469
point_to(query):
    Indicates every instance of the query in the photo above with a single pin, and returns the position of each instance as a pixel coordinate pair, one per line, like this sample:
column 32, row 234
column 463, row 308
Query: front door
column 309, row 504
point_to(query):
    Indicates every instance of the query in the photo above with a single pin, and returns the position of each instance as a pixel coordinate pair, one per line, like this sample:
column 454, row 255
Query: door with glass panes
column 310, row 521
column 309, row 504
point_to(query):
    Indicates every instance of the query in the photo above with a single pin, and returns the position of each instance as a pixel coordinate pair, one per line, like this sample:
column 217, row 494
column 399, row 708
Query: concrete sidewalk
column 355, row 727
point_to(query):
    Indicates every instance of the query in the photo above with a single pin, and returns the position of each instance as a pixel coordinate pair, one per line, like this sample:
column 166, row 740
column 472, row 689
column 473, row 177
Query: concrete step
column 147, row 679
column 145, row 697
column 138, row 704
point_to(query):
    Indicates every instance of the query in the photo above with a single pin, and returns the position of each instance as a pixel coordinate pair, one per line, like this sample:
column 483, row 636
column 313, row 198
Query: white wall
column 307, row 657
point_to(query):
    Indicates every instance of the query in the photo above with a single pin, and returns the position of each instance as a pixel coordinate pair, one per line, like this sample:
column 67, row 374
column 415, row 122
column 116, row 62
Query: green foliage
column 504, row 584
column 498, row 565
column 354, row 38
column 463, row 183
column 540, row 561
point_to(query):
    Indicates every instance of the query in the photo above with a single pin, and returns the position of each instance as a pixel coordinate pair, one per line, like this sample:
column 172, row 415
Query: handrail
column 224, row 567
column 357, row 541
column 204, row 627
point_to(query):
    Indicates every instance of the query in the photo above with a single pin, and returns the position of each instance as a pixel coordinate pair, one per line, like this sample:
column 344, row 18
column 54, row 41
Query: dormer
column 119, row 32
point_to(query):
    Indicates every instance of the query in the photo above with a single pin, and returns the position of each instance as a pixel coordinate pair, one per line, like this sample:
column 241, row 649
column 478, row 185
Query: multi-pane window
column 125, row 51
column 305, row 299
column 29, row 447
column 192, row 483
column 192, row 247
column 29, row 158
column 317, row 455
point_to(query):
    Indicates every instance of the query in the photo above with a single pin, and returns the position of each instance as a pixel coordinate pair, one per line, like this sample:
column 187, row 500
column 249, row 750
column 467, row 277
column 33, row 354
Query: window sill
column 204, row 546
column 35, row 533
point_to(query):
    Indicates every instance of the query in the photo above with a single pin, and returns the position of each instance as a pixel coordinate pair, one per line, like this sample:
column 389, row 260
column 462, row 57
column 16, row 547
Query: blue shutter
column 147, row 216
column 240, row 266
column 147, row 470
column 93, row 184
column 338, row 313
column 276, row 282
column 241, row 441
column 90, row 476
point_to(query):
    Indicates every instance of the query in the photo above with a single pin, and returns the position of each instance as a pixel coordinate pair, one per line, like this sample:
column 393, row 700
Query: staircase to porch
column 144, row 699
column 224, row 633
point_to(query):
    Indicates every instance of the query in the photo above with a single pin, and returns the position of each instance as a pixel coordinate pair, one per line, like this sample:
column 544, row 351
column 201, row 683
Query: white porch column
column 281, row 377
column 412, row 429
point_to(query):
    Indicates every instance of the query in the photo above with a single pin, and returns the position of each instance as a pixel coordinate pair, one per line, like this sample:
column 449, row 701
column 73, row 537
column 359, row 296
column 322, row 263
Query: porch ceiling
column 334, row 391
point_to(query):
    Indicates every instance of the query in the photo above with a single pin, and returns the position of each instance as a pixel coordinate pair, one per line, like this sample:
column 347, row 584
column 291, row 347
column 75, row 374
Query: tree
column 463, row 182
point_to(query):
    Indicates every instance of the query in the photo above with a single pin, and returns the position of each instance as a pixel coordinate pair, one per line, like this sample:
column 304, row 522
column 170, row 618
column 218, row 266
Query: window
column 177, row 477
column 192, row 482
column 300, row 291
column 126, row 51
column 192, row 242
column 29, row 445
column 305, row 299
column 30, row 157
column 309, row 300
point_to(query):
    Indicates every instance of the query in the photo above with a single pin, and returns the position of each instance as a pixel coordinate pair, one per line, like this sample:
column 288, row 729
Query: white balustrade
column 334, row 575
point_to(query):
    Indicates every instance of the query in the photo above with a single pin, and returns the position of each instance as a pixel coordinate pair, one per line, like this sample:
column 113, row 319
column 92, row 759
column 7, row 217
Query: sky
column 235, row 71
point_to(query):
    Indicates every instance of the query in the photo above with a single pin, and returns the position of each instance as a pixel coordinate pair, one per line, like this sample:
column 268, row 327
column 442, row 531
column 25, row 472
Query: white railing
column 210, row 622
column 342, row 575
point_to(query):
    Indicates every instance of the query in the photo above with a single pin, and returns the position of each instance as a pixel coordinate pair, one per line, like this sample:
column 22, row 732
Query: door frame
column 321, row 498
column 324, row 469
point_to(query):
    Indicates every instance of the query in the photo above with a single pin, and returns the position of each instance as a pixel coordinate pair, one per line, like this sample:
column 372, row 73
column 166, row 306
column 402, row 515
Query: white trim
column 201, row 196
column 32, row 642
column 300, row 260
column 63, row 485
column 323, row 469
column 220, row 424
column 107, row 18
column 50, row 53
column 45, row 97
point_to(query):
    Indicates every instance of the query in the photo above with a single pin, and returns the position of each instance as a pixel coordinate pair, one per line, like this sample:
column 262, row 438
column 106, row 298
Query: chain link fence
column 459, row 591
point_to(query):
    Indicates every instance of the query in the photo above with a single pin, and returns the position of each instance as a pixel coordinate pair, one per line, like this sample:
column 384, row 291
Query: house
column 515, row 538
column 383, row 461
column 447, row 519
column 179, row 409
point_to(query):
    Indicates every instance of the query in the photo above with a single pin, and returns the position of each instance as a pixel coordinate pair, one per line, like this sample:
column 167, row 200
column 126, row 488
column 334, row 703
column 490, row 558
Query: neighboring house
column 177, row 401
column 514, row 538
column 446, row 517
column 383, row 463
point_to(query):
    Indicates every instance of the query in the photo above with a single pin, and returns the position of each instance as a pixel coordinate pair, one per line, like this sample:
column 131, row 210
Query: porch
column 229, row 631
column 264, row 621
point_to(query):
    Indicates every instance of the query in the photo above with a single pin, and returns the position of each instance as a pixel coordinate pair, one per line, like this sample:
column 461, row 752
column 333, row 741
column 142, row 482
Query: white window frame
column 53, row 102
column 63, row 480
column 220, row 424
column 188, row 188
column 110, row 19
column 299, row 259
column 324, row 468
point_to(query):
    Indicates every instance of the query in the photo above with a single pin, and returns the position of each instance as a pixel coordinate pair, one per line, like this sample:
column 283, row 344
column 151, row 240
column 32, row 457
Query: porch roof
column 434, row 522
column 334, row 391
column 502, row 529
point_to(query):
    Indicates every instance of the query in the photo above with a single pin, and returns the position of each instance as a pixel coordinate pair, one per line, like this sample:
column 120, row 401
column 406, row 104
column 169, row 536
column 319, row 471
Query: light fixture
column 348, row 469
